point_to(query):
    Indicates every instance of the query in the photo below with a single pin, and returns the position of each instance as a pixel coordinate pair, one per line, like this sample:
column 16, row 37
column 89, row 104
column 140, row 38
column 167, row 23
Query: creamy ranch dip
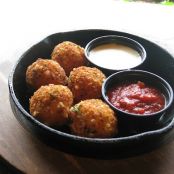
column 114, row 56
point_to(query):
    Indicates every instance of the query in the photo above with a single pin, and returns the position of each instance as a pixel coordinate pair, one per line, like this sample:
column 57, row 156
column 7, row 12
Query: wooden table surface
column 24, row 24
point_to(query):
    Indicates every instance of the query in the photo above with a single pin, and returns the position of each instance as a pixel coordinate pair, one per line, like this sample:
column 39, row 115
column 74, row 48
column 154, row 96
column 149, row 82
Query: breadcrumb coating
column 69, row 55
column 44, row 72
column 93, row 118
column 50, row 104
column 85, row 83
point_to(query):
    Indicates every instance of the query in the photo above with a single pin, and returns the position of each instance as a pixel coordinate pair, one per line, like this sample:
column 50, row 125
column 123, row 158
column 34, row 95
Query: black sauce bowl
column 136, row 122
column 115, row 39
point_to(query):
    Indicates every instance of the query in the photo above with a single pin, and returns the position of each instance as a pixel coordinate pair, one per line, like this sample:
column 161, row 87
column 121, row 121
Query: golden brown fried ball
column 69, row 55
column 93, row 118
column 85, row 83
column 44, row 72
column 50, row 104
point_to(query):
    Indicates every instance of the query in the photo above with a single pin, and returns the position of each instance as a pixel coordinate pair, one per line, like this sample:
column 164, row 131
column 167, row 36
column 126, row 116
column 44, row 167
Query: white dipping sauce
column 114, row 56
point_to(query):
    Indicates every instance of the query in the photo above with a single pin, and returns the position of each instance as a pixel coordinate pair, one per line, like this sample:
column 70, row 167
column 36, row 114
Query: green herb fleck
column 76, row 108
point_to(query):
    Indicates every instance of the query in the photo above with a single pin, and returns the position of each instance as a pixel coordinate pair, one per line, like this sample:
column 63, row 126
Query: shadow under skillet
column 7, row 168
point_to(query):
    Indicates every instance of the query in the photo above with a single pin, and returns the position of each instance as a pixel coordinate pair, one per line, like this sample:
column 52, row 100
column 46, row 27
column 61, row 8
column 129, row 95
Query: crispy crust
column 85, row 83
column 93, row 118
column 50, row 104
column 69, row 55
column 44, row 72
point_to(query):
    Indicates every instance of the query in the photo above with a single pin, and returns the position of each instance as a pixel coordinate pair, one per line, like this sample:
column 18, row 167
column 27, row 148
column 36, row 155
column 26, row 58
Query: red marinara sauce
column 137, row 98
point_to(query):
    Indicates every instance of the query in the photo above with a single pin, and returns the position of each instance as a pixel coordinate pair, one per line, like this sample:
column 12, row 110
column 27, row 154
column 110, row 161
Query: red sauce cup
column 128, row 121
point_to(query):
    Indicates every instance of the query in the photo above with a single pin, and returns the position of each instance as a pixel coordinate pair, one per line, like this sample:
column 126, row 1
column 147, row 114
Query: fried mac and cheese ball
column 69, row 55
column 93, row 118
column 50, row 104
column 85, row 83
column 44, row 72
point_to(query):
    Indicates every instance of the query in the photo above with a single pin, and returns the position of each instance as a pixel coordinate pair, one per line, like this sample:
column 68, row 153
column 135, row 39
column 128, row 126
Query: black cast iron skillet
column 159, row 61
